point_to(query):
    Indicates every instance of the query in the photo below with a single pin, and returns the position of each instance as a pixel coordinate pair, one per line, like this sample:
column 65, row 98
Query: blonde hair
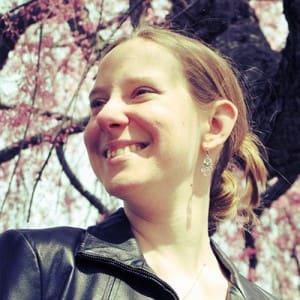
column 210, row 77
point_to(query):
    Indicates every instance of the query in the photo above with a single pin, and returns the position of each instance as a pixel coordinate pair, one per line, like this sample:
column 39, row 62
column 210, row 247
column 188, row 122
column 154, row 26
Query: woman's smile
column 119, row 148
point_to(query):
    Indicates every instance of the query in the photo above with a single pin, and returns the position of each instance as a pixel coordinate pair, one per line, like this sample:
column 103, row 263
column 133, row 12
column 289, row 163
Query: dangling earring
column 207, row 164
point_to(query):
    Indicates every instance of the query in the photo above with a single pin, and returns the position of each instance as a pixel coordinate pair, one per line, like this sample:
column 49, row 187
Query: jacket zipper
column 140, row 272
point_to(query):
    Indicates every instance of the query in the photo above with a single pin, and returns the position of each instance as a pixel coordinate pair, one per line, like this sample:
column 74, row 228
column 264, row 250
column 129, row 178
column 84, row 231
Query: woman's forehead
column 140, row 49
column 140, row 57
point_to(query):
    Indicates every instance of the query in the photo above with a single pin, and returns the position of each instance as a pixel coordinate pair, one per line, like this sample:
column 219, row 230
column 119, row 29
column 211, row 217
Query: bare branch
column 35, row 140
column 250, row 243
column 96, row 202
column 40, row 173
column 295, row 256
column 29, row 117
column 21, row 5
column 137, row 10
column 14, row 23
column 12, row 26
column 5, row 106
column 37, row 111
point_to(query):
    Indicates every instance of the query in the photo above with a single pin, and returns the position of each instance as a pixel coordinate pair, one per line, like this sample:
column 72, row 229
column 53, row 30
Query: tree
column 48, row 54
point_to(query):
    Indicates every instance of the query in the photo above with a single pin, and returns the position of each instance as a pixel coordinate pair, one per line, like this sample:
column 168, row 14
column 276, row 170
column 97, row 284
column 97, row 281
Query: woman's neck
column 178, row 232
column 176, row 246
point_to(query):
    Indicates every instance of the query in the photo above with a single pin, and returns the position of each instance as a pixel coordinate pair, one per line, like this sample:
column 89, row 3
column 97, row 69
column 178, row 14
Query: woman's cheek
column 91, row 135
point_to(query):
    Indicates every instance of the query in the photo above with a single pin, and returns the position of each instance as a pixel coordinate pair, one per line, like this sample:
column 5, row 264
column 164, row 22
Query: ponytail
column 228, row 195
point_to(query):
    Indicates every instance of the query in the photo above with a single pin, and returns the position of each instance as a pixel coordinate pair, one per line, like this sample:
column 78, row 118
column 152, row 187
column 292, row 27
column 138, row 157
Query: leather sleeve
column 19, row 268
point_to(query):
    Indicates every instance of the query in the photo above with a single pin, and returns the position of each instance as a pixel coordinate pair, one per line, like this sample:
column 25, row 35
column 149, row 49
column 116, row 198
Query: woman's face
column 145, row 130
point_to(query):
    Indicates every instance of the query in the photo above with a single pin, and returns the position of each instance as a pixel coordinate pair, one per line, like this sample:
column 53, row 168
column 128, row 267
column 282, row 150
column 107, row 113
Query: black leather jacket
column 103, row 262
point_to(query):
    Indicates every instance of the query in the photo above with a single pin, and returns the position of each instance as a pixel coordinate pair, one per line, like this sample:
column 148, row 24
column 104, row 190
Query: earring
column 207, row 164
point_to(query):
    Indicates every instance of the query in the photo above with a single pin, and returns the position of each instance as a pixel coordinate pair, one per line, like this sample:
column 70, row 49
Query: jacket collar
column 236, row 290
column 113, row 239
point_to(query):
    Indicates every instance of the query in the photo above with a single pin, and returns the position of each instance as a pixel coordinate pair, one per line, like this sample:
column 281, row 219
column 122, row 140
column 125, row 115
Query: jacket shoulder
column 68, row 237
column 253, row 291
column 42, row 240
column 45, row 245
column 28, row 258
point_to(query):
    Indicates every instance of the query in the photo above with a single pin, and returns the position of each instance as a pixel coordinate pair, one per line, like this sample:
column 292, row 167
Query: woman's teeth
column 123, row 150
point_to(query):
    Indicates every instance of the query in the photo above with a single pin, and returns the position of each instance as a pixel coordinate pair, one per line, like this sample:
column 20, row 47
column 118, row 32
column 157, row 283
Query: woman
column 167, row 121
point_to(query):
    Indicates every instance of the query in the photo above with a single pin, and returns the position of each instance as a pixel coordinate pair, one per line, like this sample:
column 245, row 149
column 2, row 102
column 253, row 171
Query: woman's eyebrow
column 96, row 91
column 132, row 80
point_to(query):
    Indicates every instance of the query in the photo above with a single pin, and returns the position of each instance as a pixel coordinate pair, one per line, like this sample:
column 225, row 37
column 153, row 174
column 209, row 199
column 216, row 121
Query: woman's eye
column 97, row 103
column 142, row 91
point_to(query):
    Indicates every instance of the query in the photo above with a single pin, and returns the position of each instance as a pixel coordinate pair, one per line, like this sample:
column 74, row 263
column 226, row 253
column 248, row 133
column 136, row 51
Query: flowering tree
column 48, row 54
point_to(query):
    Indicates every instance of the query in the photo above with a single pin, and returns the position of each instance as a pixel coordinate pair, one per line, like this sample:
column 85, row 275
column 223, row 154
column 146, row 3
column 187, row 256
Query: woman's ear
column 222, row 120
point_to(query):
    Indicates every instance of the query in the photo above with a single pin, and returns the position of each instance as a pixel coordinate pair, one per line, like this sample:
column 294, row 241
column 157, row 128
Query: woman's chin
column 122, row 190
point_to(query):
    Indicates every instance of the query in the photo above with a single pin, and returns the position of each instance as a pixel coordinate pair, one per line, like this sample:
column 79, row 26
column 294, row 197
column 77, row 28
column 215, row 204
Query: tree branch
column 250, row 243
column 14, row 23
column 37, row 111
column 84, row 39
column 137, row 10
column 35, row 140
column 37, row 180
column 5, row 106
column 12, row 26
column 283, row 141
column 29, row 117
column 76, row 183
column 295, row 256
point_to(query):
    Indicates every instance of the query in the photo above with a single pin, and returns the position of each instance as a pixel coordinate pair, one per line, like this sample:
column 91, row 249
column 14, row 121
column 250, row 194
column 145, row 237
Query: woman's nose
column 113, row 115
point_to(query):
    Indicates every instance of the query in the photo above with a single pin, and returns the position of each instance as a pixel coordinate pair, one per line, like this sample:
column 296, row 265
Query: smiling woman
column 168, row 121
column 144, row 108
